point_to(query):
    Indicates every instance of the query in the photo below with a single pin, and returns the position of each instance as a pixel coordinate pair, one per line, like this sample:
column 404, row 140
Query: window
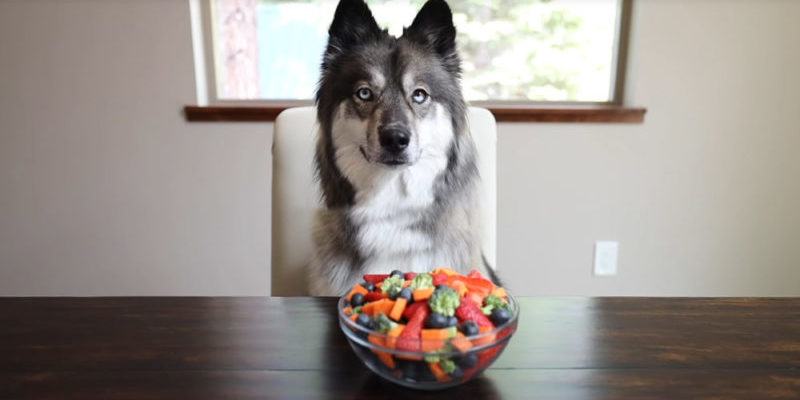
column 512, row 51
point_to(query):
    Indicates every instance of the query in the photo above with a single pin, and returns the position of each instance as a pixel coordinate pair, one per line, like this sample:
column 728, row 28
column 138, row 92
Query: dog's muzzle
column 394, row 142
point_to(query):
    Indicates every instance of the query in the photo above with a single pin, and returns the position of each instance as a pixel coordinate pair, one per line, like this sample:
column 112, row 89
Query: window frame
column 211, row 108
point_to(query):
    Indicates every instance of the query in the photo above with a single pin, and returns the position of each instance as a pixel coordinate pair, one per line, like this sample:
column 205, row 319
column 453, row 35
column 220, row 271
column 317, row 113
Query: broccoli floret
column 491, row 302
column 392, row 285
column 422, row 281
column 447, row 365
column 383, row 324
column 444, row 301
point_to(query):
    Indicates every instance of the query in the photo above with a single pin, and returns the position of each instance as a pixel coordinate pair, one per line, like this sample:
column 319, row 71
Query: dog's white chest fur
column 388, row 216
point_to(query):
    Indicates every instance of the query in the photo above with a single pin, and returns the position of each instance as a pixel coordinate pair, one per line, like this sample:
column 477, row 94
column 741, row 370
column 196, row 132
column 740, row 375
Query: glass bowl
column 418, row 369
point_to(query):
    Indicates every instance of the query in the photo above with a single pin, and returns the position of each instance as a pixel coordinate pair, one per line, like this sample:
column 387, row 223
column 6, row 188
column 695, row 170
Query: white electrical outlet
column 605, row 258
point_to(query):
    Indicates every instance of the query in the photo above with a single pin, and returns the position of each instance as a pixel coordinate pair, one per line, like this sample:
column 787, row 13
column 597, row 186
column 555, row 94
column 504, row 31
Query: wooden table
column 242, row 348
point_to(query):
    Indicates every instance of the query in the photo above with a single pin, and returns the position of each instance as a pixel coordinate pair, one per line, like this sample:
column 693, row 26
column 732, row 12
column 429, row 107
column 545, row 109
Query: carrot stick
column 434, row 339
column 444, row 333
column 398, row 308
column 385, row 358
column 382, row 306
column 438, row 372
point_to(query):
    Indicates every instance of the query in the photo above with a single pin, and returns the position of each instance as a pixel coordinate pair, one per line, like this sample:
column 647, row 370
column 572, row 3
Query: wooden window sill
column 528, row 113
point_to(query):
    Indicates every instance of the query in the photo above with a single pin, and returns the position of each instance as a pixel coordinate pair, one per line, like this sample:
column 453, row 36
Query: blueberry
column 405, row 293
column 364, row 320
column 452, row 321
column 457, row 373
column 500, row 316
column 357, row 300
column 396, row 272
column 469, row 328
column 436, row 321
column 467, row 360
column 368, row 285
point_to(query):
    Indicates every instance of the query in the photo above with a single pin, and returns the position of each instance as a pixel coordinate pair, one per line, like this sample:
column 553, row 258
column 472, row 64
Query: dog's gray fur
column 413, row 210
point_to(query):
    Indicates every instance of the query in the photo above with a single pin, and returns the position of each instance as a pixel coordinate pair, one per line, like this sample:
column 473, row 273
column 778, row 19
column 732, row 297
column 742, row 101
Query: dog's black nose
column 394, row 140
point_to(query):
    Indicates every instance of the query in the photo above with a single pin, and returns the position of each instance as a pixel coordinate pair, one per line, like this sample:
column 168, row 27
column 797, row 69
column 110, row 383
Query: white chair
column 295, row 195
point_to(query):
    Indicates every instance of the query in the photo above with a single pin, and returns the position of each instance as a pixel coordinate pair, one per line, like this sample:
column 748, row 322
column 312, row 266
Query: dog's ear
column 433, row 26
column 352, row 25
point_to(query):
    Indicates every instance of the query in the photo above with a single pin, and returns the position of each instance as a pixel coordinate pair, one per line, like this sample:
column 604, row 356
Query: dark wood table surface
column 243, row 348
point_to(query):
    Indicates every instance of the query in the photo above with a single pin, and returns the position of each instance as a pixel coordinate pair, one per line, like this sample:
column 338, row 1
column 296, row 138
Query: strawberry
column 469, row 311
column 412, row 308
column 409, row 275
column 373, row 296
column 439, row 279
column 409, row 339
column 375, row 278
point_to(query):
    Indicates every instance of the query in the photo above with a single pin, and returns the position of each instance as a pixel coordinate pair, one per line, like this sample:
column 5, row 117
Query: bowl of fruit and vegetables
column 429, row 330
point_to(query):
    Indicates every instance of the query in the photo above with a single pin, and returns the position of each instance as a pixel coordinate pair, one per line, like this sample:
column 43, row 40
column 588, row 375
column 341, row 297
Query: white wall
column 104, row 189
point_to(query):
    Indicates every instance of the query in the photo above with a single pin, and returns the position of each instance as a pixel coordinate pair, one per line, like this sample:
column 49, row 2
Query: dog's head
column 392, row 101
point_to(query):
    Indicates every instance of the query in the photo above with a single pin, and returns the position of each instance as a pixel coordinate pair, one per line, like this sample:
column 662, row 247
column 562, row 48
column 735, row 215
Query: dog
column 395, row 163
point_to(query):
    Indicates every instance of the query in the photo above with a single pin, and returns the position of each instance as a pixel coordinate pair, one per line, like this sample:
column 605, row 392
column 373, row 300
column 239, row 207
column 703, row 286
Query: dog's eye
column 419, row 96
column 364, row 94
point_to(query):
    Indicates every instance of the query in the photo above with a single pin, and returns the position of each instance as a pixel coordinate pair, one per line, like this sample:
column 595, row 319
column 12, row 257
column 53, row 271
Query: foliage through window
column 512, row 50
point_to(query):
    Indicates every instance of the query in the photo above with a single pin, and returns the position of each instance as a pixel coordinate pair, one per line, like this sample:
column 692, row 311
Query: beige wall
column 104, row 189
column 703, row 197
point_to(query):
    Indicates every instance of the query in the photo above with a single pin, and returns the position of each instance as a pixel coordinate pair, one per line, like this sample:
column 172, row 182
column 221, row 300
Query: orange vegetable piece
column 485, row 339
column 423, row 294
column 500, row 292
column 444, row 270
column 438, row 372
column 461, row 343
column 357, row 289
column 475, row 297
column 392, row 335
column 397, row 310
column 434, row 339
column 382, row 306
column 444, row 333
column 460, row 287
column 431, row 345
column 385, row 357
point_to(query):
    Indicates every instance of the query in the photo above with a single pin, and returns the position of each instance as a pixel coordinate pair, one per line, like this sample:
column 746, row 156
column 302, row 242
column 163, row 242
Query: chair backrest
column 295, row 195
